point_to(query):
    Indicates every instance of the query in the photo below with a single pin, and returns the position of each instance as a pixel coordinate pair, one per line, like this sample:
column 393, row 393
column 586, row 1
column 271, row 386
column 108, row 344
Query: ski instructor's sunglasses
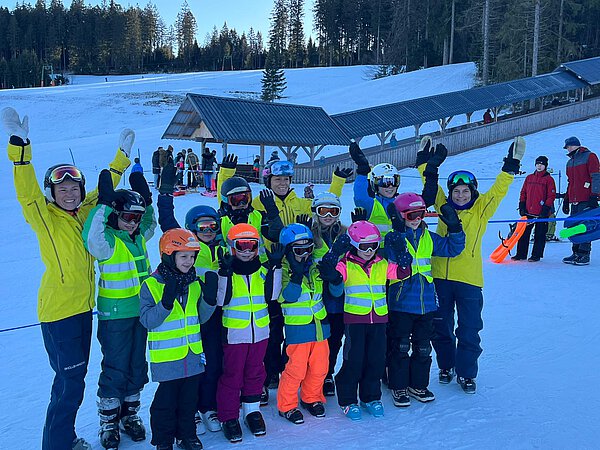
column 60, row 173
column 462, row 177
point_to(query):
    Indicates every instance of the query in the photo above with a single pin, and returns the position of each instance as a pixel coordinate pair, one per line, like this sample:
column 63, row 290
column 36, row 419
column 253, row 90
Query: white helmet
column 325, row 198
column 383, row 175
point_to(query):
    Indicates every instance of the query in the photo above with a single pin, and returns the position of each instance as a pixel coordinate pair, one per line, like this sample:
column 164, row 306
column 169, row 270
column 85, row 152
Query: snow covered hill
column 541, row 339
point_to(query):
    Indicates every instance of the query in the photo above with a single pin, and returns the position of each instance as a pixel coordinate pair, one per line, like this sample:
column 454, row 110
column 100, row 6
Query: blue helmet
column 293, row 233
column 197, row 212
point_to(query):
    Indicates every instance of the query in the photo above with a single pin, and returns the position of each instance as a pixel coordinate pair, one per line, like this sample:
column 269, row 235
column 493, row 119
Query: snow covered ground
column 541, row 339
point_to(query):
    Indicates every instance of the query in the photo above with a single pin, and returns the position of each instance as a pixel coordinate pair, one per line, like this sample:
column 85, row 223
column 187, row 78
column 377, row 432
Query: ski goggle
column 303, row 250
column 413, row 215
column 386, row 182
column 59, row 174
column 239, row 198
column 462, row 177
column 246, row 245
column 368, row 247
column 129, row 217
column 282, row 168
column 324, row 211
column 206, row 226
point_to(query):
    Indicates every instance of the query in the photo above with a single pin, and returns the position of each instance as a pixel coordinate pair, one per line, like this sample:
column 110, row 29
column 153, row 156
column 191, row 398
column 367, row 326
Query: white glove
column 424, row 141
column 519, row 148
column 126, row 141
column 13, row 125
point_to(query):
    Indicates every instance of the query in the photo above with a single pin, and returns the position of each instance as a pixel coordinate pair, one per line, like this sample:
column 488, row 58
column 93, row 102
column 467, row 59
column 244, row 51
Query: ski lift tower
column 47, row 68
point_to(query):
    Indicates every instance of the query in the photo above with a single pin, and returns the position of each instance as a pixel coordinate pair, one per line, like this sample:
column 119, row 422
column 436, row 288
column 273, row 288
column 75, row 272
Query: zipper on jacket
column 62, row 275
column 251, row 314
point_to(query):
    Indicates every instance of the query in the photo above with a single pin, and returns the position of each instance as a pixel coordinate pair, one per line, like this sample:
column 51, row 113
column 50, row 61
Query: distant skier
column 66, row 294
column 156, row 166
column 536, row 200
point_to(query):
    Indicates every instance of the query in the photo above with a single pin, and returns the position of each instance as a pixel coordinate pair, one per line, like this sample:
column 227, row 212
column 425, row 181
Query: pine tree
column 186, row 29
column 273, row 80
column 296, row 49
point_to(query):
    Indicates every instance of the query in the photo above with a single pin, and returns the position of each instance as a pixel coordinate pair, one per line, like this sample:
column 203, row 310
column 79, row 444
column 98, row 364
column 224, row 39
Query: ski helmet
column 129, row 201
column 462, row 177
column 59, row 173
column 363, row 232
column 277, row 168
column 293, row 233
column 383, row 175
column 243, row 237
column 325, row 198
column 409, row 201
column 234, row 185
column 198, row 212
column 178, row 240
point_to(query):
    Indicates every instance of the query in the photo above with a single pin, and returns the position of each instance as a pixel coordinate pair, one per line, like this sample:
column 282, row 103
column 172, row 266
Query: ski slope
column 540, row 360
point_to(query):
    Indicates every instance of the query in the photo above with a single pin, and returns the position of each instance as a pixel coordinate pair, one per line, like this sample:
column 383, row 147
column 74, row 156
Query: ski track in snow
column 540, row 360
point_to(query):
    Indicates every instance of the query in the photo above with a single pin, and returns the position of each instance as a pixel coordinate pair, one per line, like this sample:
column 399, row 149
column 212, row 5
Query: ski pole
column 72, row 157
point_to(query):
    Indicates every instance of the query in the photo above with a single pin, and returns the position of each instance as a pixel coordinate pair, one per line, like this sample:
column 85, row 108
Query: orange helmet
column 178, row 240
column 243, row 237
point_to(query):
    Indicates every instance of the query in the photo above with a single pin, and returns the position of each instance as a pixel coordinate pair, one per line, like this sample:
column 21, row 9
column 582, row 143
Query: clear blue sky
column 239, row 14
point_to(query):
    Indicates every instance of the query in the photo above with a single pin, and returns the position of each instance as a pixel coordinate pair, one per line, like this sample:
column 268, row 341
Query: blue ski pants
column 67, row 343
column 458, row 348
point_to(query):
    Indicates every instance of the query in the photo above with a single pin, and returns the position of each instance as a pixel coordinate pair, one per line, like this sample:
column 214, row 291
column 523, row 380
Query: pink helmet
column 409, row 201
column 363, row 232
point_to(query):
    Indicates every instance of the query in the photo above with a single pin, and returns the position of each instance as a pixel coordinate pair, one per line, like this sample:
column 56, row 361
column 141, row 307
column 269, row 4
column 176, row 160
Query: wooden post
column 417, row 128
column 224, row 147
column 262, row 155
column 468, row 114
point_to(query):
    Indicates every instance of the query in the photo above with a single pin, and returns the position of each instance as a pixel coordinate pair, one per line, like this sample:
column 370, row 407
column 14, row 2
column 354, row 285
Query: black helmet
column 59, row 173
column 129, row 201
column 233, row 185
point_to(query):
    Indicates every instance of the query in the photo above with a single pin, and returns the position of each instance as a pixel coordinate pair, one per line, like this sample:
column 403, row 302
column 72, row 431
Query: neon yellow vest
column 421, row 262
column 119, row 276
column 254, row 219
column 365, row 293
column 247, row 305
column 309, row 305
column 180, row 332
column 380, row 219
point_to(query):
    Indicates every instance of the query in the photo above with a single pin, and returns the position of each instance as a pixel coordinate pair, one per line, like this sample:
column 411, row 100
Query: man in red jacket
column 537, row 197
column 580, row 167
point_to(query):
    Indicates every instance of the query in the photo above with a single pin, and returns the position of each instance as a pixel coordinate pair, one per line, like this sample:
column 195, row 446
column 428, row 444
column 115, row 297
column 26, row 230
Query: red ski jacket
column 538, row 190
column 580, row 167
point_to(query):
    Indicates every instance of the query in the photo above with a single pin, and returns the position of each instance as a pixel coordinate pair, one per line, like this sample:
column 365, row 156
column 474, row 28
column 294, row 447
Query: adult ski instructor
column 459, row 281
column 66, row 294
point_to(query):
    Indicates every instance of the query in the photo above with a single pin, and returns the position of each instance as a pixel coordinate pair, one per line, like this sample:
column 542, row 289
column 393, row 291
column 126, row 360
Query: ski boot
column 131, row 423
column 401, row 398
column 375, row 408
column 423, row 395
column 570, row 259
column 109, row 410
column 189, row 443
column 232, row 430
column 264, row 396
column 254, row 419
column 316, row 409
column 293, row 415
column 211, row 422
column 445, row 376
column 81, row 444
column 328, row 387
column 352, row 411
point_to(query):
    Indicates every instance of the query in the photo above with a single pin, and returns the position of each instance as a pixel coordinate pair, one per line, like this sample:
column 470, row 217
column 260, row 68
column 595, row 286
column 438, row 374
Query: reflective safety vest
column 254, row 219
column 380, row 219
column 180, row 332
column 366, row 292
column 247, row 305
column 119, row 276
column 309, row 305
column 421, row 262
column 205, row 260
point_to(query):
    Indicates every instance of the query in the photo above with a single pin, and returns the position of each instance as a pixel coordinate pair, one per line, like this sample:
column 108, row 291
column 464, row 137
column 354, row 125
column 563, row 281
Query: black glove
column 545, row 212
column 593, row 201
column 210, row 288
column 396, row 241
column 106, row 191
column 328, row 272
column 230, row 161
column 359, row 159
column 275, row 255
column 439, row 156
column 358, row 214
column 167, row 179
column 522, row 209
column 268, row 200
column 225, row 263
column 511, row 165
column 449, row 216
column 305, row 219
column 343, row 173
column 397, row 221
column 404, row 259
column 169, row 294
column 139, row 184
column 565, row 207
column 341, row 245
column 296, row 267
